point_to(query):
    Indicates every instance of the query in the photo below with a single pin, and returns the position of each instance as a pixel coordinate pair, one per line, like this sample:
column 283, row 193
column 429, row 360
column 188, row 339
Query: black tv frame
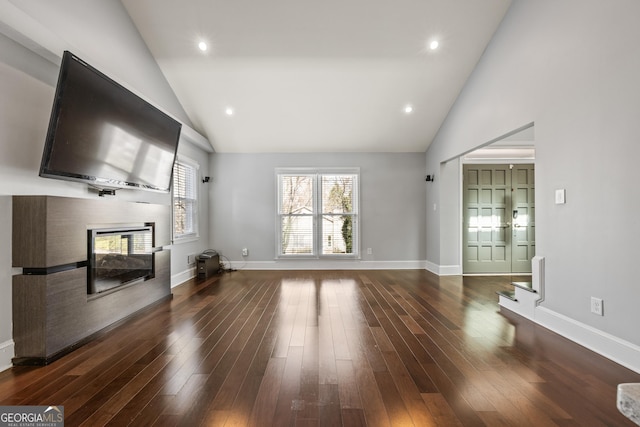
column 106, row 184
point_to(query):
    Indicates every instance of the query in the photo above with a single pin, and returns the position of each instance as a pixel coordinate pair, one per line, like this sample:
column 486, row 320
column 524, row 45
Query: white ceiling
column 317, row 76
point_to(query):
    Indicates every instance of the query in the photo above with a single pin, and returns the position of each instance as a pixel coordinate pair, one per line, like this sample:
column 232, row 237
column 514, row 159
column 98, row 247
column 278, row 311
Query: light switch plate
column 560, row 197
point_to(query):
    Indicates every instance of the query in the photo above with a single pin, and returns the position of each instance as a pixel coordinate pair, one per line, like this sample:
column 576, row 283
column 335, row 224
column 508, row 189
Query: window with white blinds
column 185, row 200
column 317, row 213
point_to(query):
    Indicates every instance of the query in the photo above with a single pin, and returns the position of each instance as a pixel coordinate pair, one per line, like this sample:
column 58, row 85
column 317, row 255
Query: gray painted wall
column 392, row 202
column 101, row 33
column 571, row 67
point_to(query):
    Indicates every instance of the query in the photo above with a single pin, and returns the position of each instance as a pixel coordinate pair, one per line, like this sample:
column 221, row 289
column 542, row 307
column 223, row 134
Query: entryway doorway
column 498, row 205
column 498, row 218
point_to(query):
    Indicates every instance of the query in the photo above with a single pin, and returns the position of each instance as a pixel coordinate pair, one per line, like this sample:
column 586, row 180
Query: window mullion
column 315, row 215
column 319, row 216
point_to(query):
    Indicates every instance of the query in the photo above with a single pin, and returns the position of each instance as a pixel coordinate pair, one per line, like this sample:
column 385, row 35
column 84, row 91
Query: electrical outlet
column 245, row 252
column 369, row 251
column 191, row 259
column 596, row 306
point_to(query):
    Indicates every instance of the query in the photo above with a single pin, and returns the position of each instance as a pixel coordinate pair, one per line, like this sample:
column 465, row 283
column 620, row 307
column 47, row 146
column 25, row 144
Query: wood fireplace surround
column 52, row 311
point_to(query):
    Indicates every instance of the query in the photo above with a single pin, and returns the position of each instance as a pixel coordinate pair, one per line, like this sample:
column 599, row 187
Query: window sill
column 187, row 239
column 350, row 257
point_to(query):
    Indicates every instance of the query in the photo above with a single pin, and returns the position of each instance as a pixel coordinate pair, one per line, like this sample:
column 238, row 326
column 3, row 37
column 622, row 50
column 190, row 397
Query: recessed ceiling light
column 408, row 109
column 434, row 45
column 203, row 46
column 229, row 111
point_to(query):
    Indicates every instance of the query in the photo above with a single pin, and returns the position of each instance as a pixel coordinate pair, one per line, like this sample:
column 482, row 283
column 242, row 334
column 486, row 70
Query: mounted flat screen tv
column 104, row 135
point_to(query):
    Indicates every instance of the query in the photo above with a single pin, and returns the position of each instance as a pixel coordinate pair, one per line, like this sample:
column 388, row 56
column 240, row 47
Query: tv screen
column 105, row 135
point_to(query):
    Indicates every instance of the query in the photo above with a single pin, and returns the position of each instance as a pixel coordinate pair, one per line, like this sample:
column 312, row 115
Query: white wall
column 99, row 32
column 392, row 202
column 572, row 67
column 102, row 34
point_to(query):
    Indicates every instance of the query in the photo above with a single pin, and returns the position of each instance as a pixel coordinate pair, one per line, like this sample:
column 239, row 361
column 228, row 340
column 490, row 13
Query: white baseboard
column 620, row 351
column 443, row 270
column 301, row 264
column 6, row 354
column 183, row 276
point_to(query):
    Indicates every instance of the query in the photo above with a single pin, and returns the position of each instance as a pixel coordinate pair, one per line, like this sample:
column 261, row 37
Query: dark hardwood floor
column 329, row 348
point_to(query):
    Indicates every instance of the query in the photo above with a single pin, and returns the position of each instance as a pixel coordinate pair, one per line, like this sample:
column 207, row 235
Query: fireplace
column 118, row 257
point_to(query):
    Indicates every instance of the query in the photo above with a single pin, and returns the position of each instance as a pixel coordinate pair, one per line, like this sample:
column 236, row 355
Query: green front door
column 498, row 226
column 523, row 218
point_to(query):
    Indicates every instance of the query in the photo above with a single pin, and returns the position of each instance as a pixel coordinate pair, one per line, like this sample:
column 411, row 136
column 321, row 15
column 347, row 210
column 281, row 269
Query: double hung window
column 317, row 213
column 185, row 199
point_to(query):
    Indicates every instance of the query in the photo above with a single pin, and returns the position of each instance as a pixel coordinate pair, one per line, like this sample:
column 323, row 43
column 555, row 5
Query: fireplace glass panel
column 119, row 257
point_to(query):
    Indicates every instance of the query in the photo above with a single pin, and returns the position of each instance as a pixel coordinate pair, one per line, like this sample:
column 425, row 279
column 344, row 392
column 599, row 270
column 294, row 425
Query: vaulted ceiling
column 317, row 76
